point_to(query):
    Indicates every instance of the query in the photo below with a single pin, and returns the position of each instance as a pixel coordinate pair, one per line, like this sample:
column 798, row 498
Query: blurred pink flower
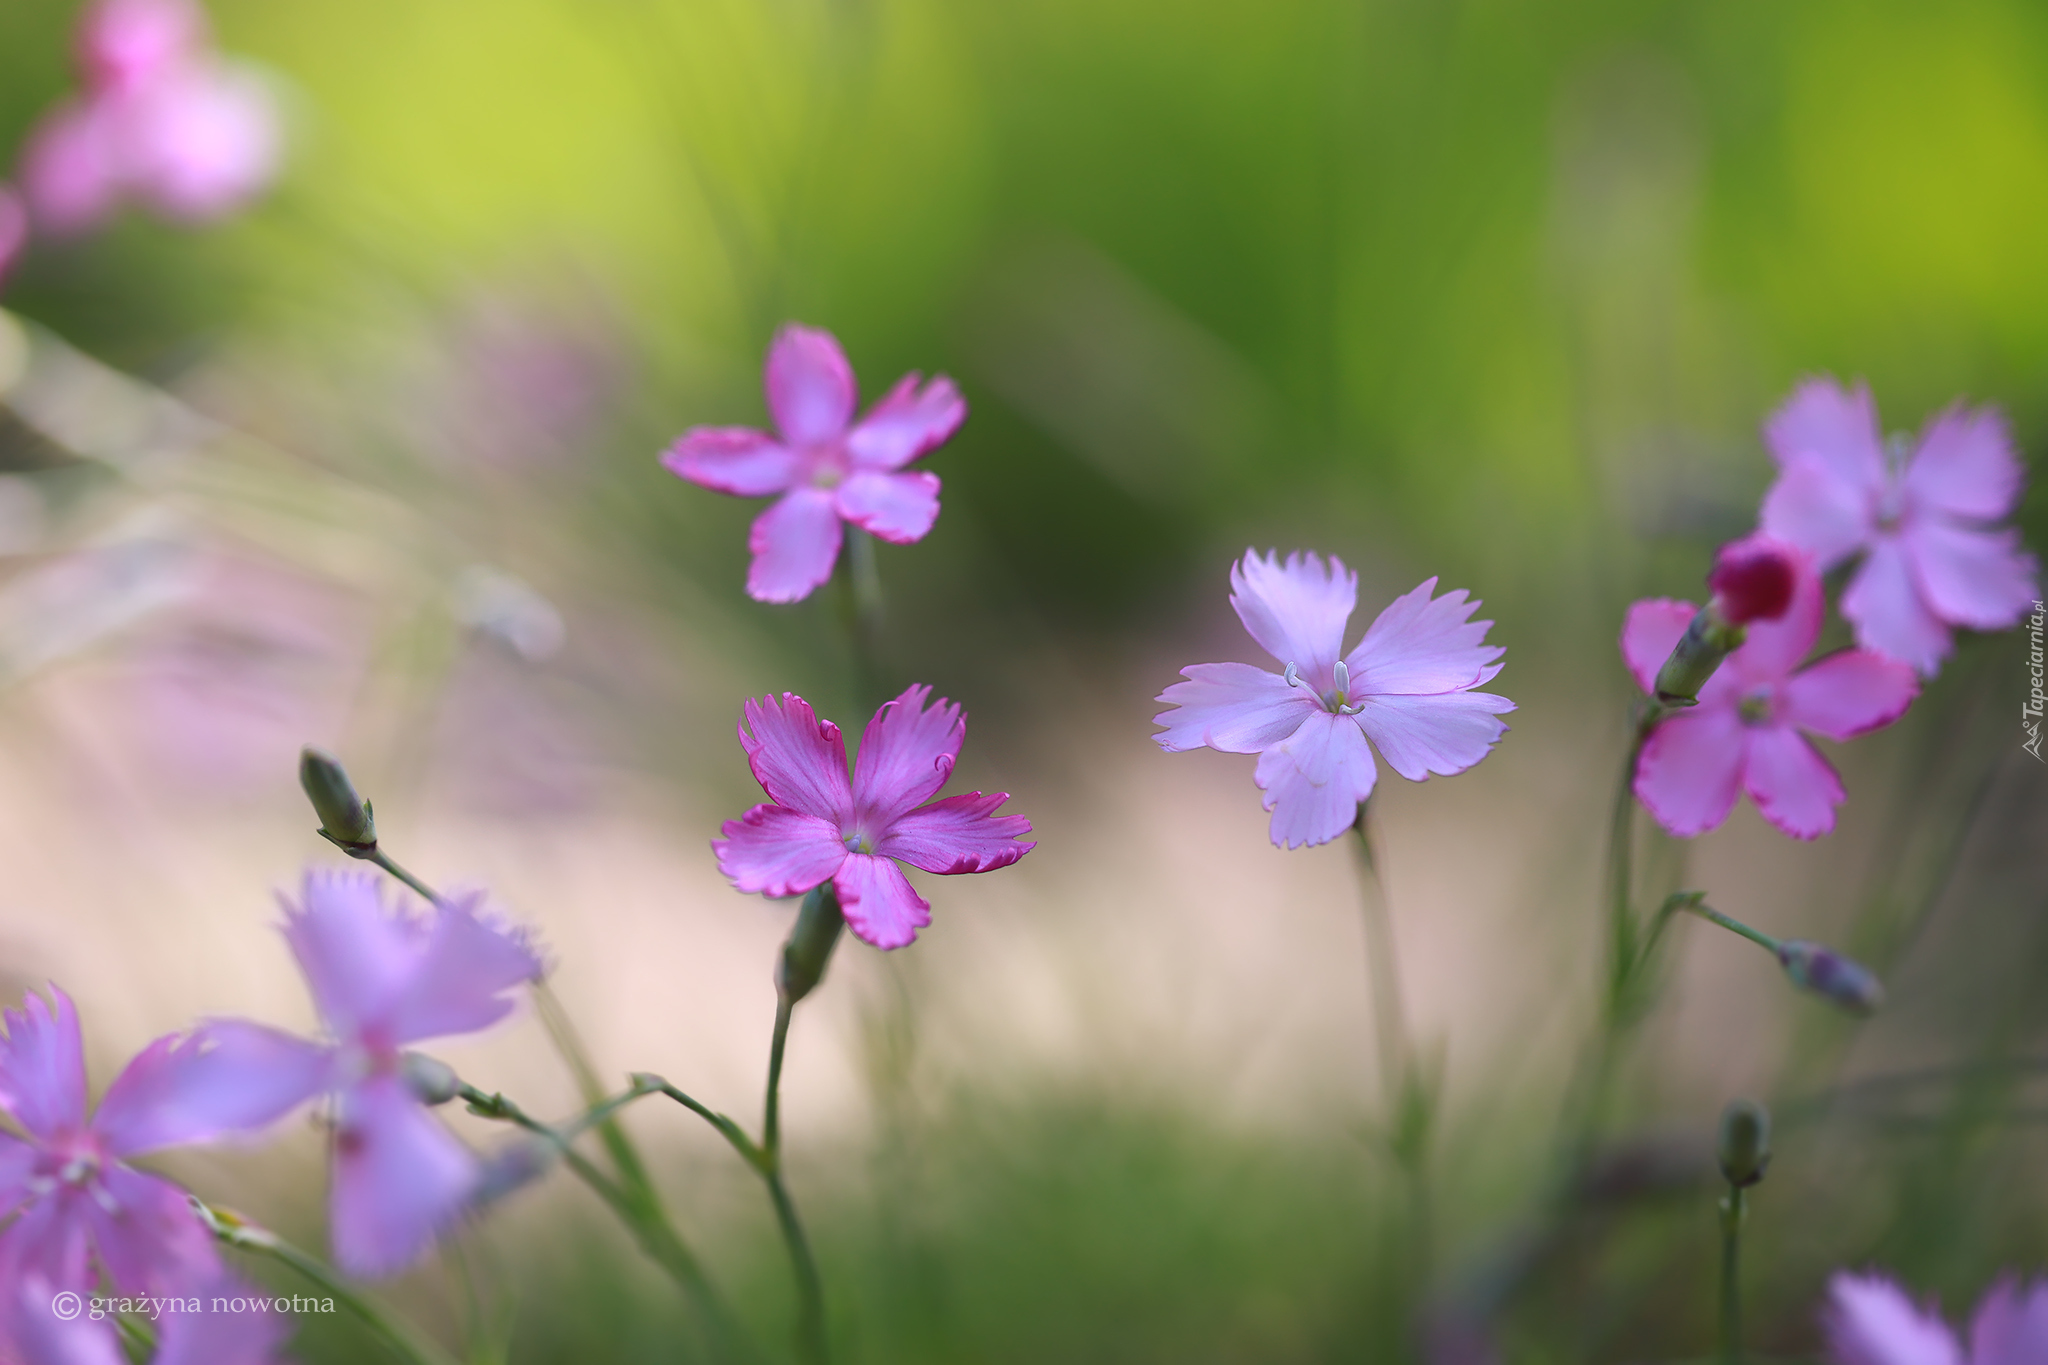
column 13, row 228
column 1932, row 559
column 382, row 978
column 1407, row 685
column 820, row 828
column 163, row 120
column 827, row 467
column 253, row 1337
column 78, row 1209
column 1745, row 733
column 1870, row 1321
column 1753, row 579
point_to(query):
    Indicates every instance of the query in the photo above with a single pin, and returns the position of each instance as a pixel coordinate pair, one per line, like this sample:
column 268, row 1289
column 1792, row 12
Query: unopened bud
column 1707, row 641
column 1841, row 981
column 512, row 1167
column 345, row 818
column 431, row 1081
column 810, row 945
column 1753, row 579
column 1745, row 1144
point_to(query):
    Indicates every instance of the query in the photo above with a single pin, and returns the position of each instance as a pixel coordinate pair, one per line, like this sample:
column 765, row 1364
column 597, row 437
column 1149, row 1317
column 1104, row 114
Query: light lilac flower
column 1922, row 519
column 1746, row 732
column 78, row 1208
column 252, row 1337
column 1407, row 685
column 1870, row 1321
column 827, row 467
column 123, row 44
column 822, row 829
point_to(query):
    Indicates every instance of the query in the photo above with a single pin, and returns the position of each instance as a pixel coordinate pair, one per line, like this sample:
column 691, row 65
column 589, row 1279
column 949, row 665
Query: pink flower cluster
column 1870, row 1320
column 162, row 120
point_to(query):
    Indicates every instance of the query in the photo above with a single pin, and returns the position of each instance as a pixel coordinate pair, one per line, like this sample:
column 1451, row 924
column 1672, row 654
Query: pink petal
column 1847, row 694
column 252, row 1338
column 17, row 1167
column 203, row 141
column 1968, row 577
column 1772, row 649
column 1870, row 1321
column 42, row 1065
column 1793, row 786
column 355, row 953
column 400, row 1179
column 1814, row 507
column 799, row 760
column 1234, row 708
column 1966, row 465
column 51, row 1238
column 1753, row 578
column 1419, row 646
column 776, row 851
column 1835, row 425
column 70, row 169
column 1296, row 611
column 13, row 228
column 899, row 508
column 810, row 385
column 43, row 1338
column 2011, row 1325
column 880, row 906
column 467, row 964
column 906, row 755
column 958, row 834
column 736, row 460
column 146, row 1234
column 1314, row 780
column 126, row 43
column 1691, row 769
column 1649, row 632
column 227, row 1076
column 1883, row 602
column 1442, row 734
column 908, row 422
column 794, row 544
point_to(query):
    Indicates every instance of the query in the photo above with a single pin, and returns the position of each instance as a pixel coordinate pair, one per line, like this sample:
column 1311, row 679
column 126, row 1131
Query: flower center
column 828, row 465
column 73, row 1160
column 1758, row 707
column 1336, row 699
column 860, row 841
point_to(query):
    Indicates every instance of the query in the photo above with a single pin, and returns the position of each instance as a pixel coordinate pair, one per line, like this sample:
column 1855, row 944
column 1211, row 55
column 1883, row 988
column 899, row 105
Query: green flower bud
column 1706, row 642
column 802, row 965
column 1841, row 981
column 1745, row 1145
column 431, row 1081
column 345, row 818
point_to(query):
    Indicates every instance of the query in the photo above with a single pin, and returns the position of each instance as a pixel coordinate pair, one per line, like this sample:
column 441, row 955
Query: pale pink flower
column 821, row 828
column 1870, row 1320
column 827, row 467
column 1407, row 686
column 1746, row 732
column 78, row 1209
column 123, row 44
column 1922, row 519
column 251, row 1337
column 13, row 228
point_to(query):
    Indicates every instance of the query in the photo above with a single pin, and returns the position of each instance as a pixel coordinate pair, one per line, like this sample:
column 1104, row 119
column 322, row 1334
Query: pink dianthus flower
column 821, row 828
column 1870, row 1320
column 206, row 1337
column 1407, row 686
column 1746, row 732
column 1923, row 520
column 827, row 467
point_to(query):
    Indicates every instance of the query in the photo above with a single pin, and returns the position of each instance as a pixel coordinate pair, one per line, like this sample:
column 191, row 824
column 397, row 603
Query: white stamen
column 1293, row 675
column 1343, row 673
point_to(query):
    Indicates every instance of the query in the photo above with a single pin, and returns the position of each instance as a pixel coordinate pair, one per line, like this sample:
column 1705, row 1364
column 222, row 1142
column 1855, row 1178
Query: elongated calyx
column 345, row 818
column 1841, row 981
column 1752, row 580
column 431, row 1080
column 1744, row 1148
column 810, row 945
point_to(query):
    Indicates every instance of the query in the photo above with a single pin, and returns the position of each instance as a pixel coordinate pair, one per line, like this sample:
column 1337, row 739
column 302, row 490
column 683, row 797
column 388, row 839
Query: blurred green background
column 1497, row 290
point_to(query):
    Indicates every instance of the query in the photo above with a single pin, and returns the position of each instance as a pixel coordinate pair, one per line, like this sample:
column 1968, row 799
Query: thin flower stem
column 812, row 1344
column 1733, row 1210
column 862, row 610
column 400, row 1337
column 1733, row 926
column 390, row 865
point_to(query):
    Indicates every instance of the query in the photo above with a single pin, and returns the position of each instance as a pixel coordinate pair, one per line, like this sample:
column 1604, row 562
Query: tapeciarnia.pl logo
column 2030, row 712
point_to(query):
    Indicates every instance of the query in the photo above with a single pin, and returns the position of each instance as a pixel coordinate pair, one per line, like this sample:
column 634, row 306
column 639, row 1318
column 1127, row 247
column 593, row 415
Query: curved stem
column 811, row 1339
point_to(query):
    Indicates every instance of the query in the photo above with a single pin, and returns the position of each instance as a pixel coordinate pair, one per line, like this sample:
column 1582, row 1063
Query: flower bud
column 512, row 1167
column 1706, row 642
column 810, row 945
column 345, row 818
column 1841, row 981
column 431, row 1081
column 1745, row 1144
column 1753, row 580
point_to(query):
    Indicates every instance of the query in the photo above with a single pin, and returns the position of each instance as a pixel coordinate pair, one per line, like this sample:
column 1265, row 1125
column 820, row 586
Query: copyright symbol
column 66, row 1305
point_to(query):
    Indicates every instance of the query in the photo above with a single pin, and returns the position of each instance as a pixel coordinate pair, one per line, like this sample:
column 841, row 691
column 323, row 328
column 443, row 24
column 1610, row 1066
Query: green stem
column 861, row 607
column 811, row 1339
column 403, row 1340
column 1733, row 926
column 1733, row 1210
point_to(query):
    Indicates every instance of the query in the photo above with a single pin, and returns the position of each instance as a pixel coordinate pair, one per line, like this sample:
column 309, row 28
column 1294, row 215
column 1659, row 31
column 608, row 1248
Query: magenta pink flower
column 827, row 467
column 821, row 829
column 251, row 1337
column 1923, row 519
column 1407, row 685
column 78, row 1209
column 163, row 121
column 1746, row 732
column 1870, row 1321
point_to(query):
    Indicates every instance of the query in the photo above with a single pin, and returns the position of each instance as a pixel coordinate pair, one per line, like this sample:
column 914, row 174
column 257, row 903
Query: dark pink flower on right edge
column 822, row 828
column 1749, row 731
column 1870, row 1320
column 826, row 467
column 1923, row 519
